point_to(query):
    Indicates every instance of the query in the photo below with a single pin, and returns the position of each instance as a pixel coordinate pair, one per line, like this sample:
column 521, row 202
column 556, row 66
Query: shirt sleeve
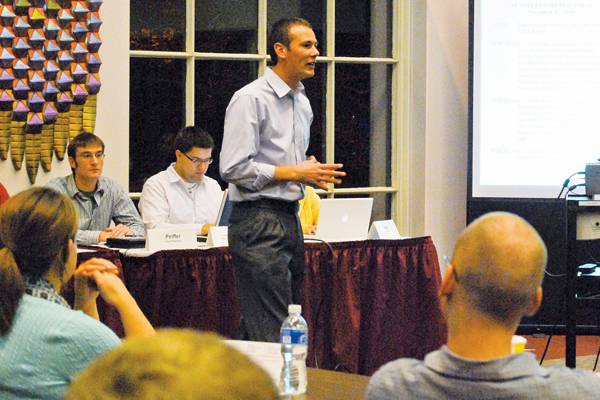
column 241, row 142
column 55, row 184
column 154, row 205
column 124, row 212
column 87, row 237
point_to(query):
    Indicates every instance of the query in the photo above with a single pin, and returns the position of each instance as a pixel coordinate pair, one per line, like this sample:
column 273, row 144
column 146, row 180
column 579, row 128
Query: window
column 188, row 57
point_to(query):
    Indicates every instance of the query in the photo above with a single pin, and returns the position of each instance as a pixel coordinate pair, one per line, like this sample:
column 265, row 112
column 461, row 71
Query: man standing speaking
column 263, row 157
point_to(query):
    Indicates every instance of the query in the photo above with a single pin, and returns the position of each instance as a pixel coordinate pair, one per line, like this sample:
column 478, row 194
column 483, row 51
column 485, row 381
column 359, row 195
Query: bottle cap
column 294, row 309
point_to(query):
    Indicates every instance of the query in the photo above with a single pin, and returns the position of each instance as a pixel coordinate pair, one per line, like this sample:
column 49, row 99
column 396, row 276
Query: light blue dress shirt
column 111, row 203
column 266, row 124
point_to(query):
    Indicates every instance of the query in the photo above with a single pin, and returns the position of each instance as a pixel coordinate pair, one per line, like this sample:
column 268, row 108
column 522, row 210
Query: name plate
column 217, row 237
column 384, row 230
column 171, row 238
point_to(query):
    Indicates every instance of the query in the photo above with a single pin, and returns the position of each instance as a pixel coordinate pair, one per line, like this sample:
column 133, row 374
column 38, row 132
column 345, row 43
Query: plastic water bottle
column 294, row 345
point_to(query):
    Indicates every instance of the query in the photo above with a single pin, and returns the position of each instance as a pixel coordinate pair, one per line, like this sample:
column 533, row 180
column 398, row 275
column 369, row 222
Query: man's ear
column 280, row 50
column 72, row 163
column 448, row 281
column 536, row 302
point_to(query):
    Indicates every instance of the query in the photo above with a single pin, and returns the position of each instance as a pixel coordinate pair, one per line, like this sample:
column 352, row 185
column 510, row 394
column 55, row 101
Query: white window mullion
column 190, row 62
column 330, row 94
column 401, row 114
column 262, row 36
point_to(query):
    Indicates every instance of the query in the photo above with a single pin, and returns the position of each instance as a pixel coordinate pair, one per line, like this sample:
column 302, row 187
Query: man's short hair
column 280, row 33
column 500, row 259
column 192, row 136
column 173, row 364
column 84, row 139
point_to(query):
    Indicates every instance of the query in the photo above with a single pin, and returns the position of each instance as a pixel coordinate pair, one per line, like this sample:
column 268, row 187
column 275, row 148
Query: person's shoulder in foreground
column 493, row 280
column 444, row 375
column 174, row 364
column 51, row 343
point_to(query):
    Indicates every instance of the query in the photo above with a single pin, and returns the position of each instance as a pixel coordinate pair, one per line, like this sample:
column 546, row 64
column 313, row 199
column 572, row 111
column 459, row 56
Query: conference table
column 322, row 384
column 366, row 302
column 331, row 385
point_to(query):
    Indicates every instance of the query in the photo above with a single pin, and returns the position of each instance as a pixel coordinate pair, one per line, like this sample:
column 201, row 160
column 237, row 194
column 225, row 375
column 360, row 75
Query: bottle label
column 293, row 336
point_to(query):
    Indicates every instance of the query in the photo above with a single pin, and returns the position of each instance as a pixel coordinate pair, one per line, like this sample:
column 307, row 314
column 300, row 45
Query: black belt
column 290, row 207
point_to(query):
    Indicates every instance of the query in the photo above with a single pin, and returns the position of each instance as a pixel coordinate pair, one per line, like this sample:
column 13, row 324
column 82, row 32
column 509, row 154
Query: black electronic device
column 126, row 242
column 592, row 179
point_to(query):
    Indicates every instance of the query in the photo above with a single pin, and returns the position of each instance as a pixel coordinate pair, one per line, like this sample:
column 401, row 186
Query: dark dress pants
column 267, row 248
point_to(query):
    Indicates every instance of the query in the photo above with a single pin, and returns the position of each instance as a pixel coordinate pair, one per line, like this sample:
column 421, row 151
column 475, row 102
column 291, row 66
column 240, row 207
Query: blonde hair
column 35, row 228
column 174, row 364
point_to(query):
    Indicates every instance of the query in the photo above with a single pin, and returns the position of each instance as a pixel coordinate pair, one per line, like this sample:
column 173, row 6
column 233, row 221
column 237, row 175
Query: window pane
column 226, row 26
column 316, row 87
column 363, row 123
column 216, row 82
column 314, row 11
column 156, row 113
column 157, row 25
column 363, row 28
column 382, row 204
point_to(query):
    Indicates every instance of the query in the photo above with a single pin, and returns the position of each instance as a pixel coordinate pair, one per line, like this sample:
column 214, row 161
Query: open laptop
column 222, row 216
column 224, row 210
column 343, row 219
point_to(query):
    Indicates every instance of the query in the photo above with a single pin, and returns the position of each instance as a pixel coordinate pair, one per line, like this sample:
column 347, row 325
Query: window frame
column 400, row 93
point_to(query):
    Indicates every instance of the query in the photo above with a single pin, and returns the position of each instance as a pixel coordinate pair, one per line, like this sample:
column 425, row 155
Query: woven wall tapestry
column 49, row 78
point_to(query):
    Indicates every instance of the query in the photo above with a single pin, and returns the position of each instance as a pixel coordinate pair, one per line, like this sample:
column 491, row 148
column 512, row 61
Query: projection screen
column 535, row 94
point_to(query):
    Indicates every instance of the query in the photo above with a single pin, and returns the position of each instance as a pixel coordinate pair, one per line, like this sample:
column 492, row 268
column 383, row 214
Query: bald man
column 494, row 279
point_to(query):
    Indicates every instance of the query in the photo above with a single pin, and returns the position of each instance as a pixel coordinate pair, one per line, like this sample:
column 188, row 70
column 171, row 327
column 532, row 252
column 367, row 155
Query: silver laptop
column 343, row 219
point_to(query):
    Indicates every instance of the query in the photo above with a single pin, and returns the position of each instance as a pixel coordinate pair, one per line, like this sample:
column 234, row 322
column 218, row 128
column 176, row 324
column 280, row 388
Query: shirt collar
column 172, row 175
column 73, row 190
column 42, row 289
column 513, row 366
column 280, row 88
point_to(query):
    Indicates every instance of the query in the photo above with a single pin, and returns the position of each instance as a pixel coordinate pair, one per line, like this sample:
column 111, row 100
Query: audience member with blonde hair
column 494, row 279
column 174, row 364
column 43, row 343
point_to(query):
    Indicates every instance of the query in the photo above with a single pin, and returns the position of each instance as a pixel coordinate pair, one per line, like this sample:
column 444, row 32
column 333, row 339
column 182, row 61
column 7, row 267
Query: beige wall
column 112, row 123
column 446, row 138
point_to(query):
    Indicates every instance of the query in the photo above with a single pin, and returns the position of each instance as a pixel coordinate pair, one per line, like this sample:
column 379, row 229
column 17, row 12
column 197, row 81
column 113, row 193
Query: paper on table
column 266, row 355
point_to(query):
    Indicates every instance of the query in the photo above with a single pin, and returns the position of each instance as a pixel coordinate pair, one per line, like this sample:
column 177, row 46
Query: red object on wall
column 3, row 194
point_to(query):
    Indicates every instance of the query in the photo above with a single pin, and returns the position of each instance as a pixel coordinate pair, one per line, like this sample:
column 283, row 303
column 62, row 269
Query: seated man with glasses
column 182, row 194
column 99, row 200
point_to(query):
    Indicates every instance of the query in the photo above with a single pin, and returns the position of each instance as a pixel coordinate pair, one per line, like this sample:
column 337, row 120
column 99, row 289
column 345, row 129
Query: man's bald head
column 499, row 259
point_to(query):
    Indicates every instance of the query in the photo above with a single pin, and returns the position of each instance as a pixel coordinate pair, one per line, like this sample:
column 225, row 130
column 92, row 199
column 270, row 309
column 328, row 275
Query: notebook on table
column 343, row 219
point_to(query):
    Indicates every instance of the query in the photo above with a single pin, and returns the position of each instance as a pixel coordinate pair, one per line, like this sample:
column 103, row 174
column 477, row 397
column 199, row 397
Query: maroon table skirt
column 368, row 303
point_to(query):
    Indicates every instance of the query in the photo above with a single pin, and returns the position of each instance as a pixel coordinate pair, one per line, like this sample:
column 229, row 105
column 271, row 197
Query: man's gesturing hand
column 311, row 172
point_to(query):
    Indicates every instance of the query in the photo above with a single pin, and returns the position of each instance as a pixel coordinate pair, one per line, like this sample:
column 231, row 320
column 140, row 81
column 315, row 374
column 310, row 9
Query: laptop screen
column 344, row 219
column 224, row 210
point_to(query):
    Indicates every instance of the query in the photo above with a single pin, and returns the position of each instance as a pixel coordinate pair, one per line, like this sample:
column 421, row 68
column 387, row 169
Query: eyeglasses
column 197, row 161
column 86, row 155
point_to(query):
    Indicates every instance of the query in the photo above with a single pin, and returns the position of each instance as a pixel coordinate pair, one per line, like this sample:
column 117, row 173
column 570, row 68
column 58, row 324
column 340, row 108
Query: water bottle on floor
column 294, row 346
